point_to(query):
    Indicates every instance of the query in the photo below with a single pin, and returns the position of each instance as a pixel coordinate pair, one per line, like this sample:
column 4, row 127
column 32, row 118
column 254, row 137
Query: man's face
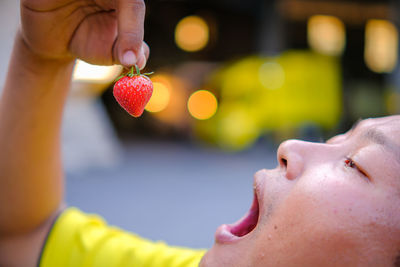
column 326, row 204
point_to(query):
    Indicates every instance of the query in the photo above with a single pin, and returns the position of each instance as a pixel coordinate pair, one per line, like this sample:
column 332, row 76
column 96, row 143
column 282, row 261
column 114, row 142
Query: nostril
column 291, row 157
column 284, row 162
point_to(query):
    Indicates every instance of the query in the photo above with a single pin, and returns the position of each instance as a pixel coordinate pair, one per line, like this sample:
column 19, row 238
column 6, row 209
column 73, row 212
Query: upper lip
column 258, row 187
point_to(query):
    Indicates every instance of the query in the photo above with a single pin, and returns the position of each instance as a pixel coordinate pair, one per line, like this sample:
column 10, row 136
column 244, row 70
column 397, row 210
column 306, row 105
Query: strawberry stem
column 137, row 70
column 132, row 74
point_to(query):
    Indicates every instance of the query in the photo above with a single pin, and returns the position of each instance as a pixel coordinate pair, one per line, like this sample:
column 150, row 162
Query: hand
column 100, row 32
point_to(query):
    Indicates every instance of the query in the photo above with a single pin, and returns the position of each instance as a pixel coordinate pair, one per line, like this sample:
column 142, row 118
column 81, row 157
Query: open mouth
column 231, row 232
column 248, row 222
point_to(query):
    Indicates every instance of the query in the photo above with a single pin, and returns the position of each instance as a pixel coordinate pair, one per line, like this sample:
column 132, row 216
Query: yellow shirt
column 81, row 240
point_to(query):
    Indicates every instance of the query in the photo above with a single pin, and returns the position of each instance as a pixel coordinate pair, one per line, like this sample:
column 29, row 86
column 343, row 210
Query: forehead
column 384, row 132
column 389, row 126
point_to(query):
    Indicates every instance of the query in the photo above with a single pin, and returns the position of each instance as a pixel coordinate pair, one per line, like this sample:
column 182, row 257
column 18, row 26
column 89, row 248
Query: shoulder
column 73, row 238
column 80, row 239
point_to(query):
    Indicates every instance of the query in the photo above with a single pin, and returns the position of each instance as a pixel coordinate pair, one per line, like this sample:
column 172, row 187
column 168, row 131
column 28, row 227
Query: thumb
column 131, row 15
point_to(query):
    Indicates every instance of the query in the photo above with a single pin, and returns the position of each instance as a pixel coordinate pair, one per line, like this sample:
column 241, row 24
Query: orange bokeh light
column 202, row 104
column 160, row 98
column 191, row 34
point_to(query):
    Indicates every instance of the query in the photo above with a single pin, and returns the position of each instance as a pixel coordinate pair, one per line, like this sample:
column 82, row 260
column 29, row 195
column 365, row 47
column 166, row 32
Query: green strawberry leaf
column 148, row 73
column 132, row 74
column 119, row 77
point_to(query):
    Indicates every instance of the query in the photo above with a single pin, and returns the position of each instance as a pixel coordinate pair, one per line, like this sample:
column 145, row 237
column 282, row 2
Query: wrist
column 36, row 63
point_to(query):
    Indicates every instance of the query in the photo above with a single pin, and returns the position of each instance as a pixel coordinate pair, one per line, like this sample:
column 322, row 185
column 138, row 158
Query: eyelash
column 351, row 164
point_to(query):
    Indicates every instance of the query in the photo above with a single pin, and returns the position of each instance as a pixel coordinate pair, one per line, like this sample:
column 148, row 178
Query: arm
column 31, row 106
column 30, row 119
column 31, row 181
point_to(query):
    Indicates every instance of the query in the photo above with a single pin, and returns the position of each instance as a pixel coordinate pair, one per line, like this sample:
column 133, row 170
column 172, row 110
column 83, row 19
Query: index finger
column 130, row 15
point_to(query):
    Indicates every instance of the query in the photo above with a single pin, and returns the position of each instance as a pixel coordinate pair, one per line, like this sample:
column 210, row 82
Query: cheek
column 340, row 202
column 328, row 218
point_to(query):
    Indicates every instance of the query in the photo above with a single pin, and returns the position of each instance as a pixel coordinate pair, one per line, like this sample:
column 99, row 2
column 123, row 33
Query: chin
column 218, row 256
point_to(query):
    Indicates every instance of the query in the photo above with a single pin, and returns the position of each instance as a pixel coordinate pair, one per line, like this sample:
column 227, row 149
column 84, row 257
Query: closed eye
column 351, row 164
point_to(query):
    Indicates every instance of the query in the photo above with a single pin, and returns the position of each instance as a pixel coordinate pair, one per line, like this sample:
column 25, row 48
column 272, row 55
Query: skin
column 317, row 209
column 53, row 34
column 96, row 31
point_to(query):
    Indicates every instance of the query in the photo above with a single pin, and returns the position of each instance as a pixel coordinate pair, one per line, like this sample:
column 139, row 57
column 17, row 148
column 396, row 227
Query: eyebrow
column 377, row 136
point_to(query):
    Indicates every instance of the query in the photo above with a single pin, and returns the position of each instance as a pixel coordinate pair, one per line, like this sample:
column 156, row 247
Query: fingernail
column 129, row 58
column 141, row 62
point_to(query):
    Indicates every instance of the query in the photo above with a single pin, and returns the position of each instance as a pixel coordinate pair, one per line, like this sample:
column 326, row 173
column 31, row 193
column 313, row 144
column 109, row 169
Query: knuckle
column 137, row 5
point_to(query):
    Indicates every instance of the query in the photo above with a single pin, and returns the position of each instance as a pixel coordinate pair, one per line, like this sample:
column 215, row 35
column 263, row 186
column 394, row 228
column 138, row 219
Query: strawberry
column 133, row 91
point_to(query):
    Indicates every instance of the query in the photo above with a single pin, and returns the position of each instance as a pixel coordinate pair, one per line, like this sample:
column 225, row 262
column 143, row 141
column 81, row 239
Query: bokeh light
column 202, row 104
column 381, row 44
column 238, row 127
column 241, row 79
column 191, row 34
column 170, row 99
column 272, row 75
column 326, row 34
column 262, row 94
column 85, row 72
column 160, row 98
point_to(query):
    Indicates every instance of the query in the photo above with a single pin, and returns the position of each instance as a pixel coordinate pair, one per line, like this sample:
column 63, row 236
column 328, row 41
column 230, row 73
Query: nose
column 292, row 156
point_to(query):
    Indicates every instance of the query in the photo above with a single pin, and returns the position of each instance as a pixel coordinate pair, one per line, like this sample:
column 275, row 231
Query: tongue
column 248, row 222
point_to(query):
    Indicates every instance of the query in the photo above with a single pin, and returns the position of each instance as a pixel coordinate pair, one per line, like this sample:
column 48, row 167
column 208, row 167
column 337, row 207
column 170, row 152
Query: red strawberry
column 133, row 91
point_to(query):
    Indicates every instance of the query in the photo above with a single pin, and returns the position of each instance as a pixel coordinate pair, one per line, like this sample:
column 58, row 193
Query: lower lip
column 223, row 235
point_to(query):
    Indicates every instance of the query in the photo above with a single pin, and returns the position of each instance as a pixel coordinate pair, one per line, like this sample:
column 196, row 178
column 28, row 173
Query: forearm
column 31, row 176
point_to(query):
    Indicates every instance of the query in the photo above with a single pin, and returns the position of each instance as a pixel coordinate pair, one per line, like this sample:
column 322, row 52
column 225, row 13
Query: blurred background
column 232, row 80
